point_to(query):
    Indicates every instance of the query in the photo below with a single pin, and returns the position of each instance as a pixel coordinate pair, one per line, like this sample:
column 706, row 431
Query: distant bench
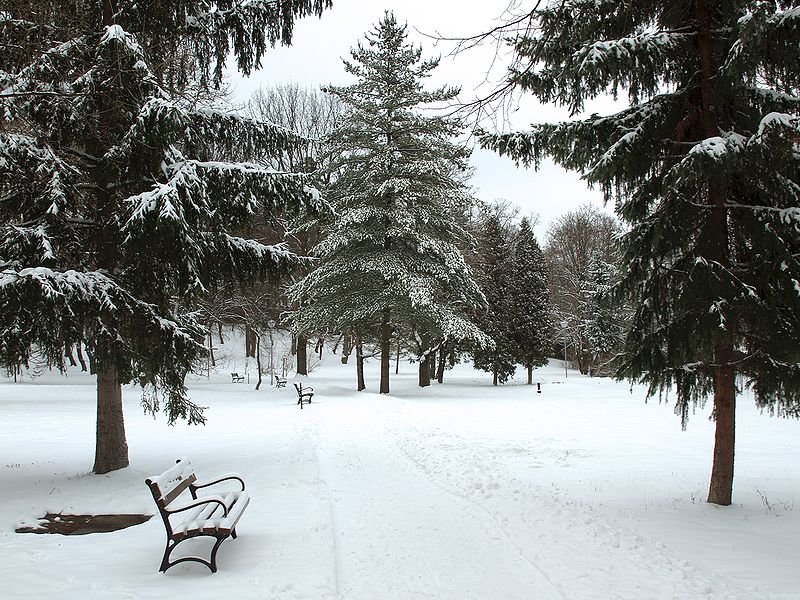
column 304, row 394
column 280, row 381
column 188, row 517
column 236, row 378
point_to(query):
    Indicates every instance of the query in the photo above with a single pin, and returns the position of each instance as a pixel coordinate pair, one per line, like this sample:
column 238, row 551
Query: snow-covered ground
column 459, row 491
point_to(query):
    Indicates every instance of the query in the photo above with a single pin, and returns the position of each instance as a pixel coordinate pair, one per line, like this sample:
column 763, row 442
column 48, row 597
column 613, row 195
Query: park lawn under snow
column 458, row 491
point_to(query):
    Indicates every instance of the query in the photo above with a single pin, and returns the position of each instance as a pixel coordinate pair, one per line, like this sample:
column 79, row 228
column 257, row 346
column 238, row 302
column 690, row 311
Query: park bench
column 236, row 378
column 304, row 394
column 280, row 381
column 188, row 516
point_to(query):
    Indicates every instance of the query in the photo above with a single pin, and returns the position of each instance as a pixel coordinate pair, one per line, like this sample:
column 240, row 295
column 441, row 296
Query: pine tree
column 498, row 319
column 603, row 318
column 705, row 168
column 120, row 192
column 389, row 256
column 529, row 301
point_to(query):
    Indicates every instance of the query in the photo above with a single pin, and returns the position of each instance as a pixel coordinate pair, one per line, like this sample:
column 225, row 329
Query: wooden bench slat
column 214, row 514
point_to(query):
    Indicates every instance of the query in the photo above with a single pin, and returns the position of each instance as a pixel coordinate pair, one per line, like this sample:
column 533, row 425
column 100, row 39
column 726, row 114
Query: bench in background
column 304, row 394
column 236, row 378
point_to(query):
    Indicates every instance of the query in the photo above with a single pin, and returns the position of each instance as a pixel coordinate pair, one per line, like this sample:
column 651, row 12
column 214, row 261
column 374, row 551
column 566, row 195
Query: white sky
column 319, row 45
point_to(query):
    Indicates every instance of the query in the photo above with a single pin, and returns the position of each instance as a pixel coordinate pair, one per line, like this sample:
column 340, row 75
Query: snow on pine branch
column 25, row 245
column 162, row 122
column 115, row 35
column 20, row 155
column 614, row 56
column 90, row 298
column 780, row 124
column 198, row 192
column 45, row 73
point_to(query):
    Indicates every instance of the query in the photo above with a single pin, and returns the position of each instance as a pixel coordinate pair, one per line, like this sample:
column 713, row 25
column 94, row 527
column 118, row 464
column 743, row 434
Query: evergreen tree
column 120, row 193
column 529, row 301
column 705, row 169
column 389, row 256
column 497, row 320
column 603, row 316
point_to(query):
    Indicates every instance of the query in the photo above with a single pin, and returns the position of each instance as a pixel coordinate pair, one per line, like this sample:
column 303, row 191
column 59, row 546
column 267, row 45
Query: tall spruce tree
column 705, row 169
column 390, row 254
column 119, row 193
column 529, row 300
column 603, row 316
column 497, row 320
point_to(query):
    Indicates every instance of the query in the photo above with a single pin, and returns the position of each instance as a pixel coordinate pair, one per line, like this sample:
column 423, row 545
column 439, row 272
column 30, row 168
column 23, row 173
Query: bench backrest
column 298, row 387
column 171, row 483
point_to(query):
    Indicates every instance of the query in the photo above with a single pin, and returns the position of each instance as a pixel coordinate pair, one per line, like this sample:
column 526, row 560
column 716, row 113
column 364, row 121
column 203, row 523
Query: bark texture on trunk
column 249, row 341
column 530, row 374
column 360, row 364
column 111, row 447
column 386, row 340
column 258, row 358
column 302, row 354
column 720, row 490
column 347, row 345
column 440, row 367
column 424, row 366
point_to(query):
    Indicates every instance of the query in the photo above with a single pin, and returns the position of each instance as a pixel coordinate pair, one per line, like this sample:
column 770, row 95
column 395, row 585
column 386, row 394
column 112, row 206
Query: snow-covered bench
column 304, row 394
column 236, row 378
column 187, row 515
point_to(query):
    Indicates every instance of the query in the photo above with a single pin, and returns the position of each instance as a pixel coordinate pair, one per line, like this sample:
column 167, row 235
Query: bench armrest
column 226, row 477
column 198, row 502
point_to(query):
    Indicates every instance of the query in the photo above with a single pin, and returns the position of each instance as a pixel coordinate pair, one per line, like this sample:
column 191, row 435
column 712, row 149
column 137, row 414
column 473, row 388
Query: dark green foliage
column 603, row 316
column 121, row 187
column 529, row 303
column 498, row 320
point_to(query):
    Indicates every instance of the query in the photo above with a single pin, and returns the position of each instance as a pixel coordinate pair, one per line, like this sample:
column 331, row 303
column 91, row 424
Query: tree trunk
column 431, row 365
column 424, row 366
column 111, row 448
column 397, row 358
column 81, row 360
column 219, row 332
column 530, row 374
column 347, row 345
column 360, row 363
column 721, row 486
column 494, row 375
column 720, row 490
column 258, row 358
column 386, row 340
column 302, row 355
column 211, row 348
column 249, row 341
column 440, row 367
column 70, row 357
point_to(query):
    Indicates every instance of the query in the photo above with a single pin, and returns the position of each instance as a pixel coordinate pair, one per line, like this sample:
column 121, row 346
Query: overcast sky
column 315, row 58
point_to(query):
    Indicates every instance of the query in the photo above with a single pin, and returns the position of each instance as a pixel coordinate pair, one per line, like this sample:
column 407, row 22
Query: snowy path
column 400, row 535
column 416, row 514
